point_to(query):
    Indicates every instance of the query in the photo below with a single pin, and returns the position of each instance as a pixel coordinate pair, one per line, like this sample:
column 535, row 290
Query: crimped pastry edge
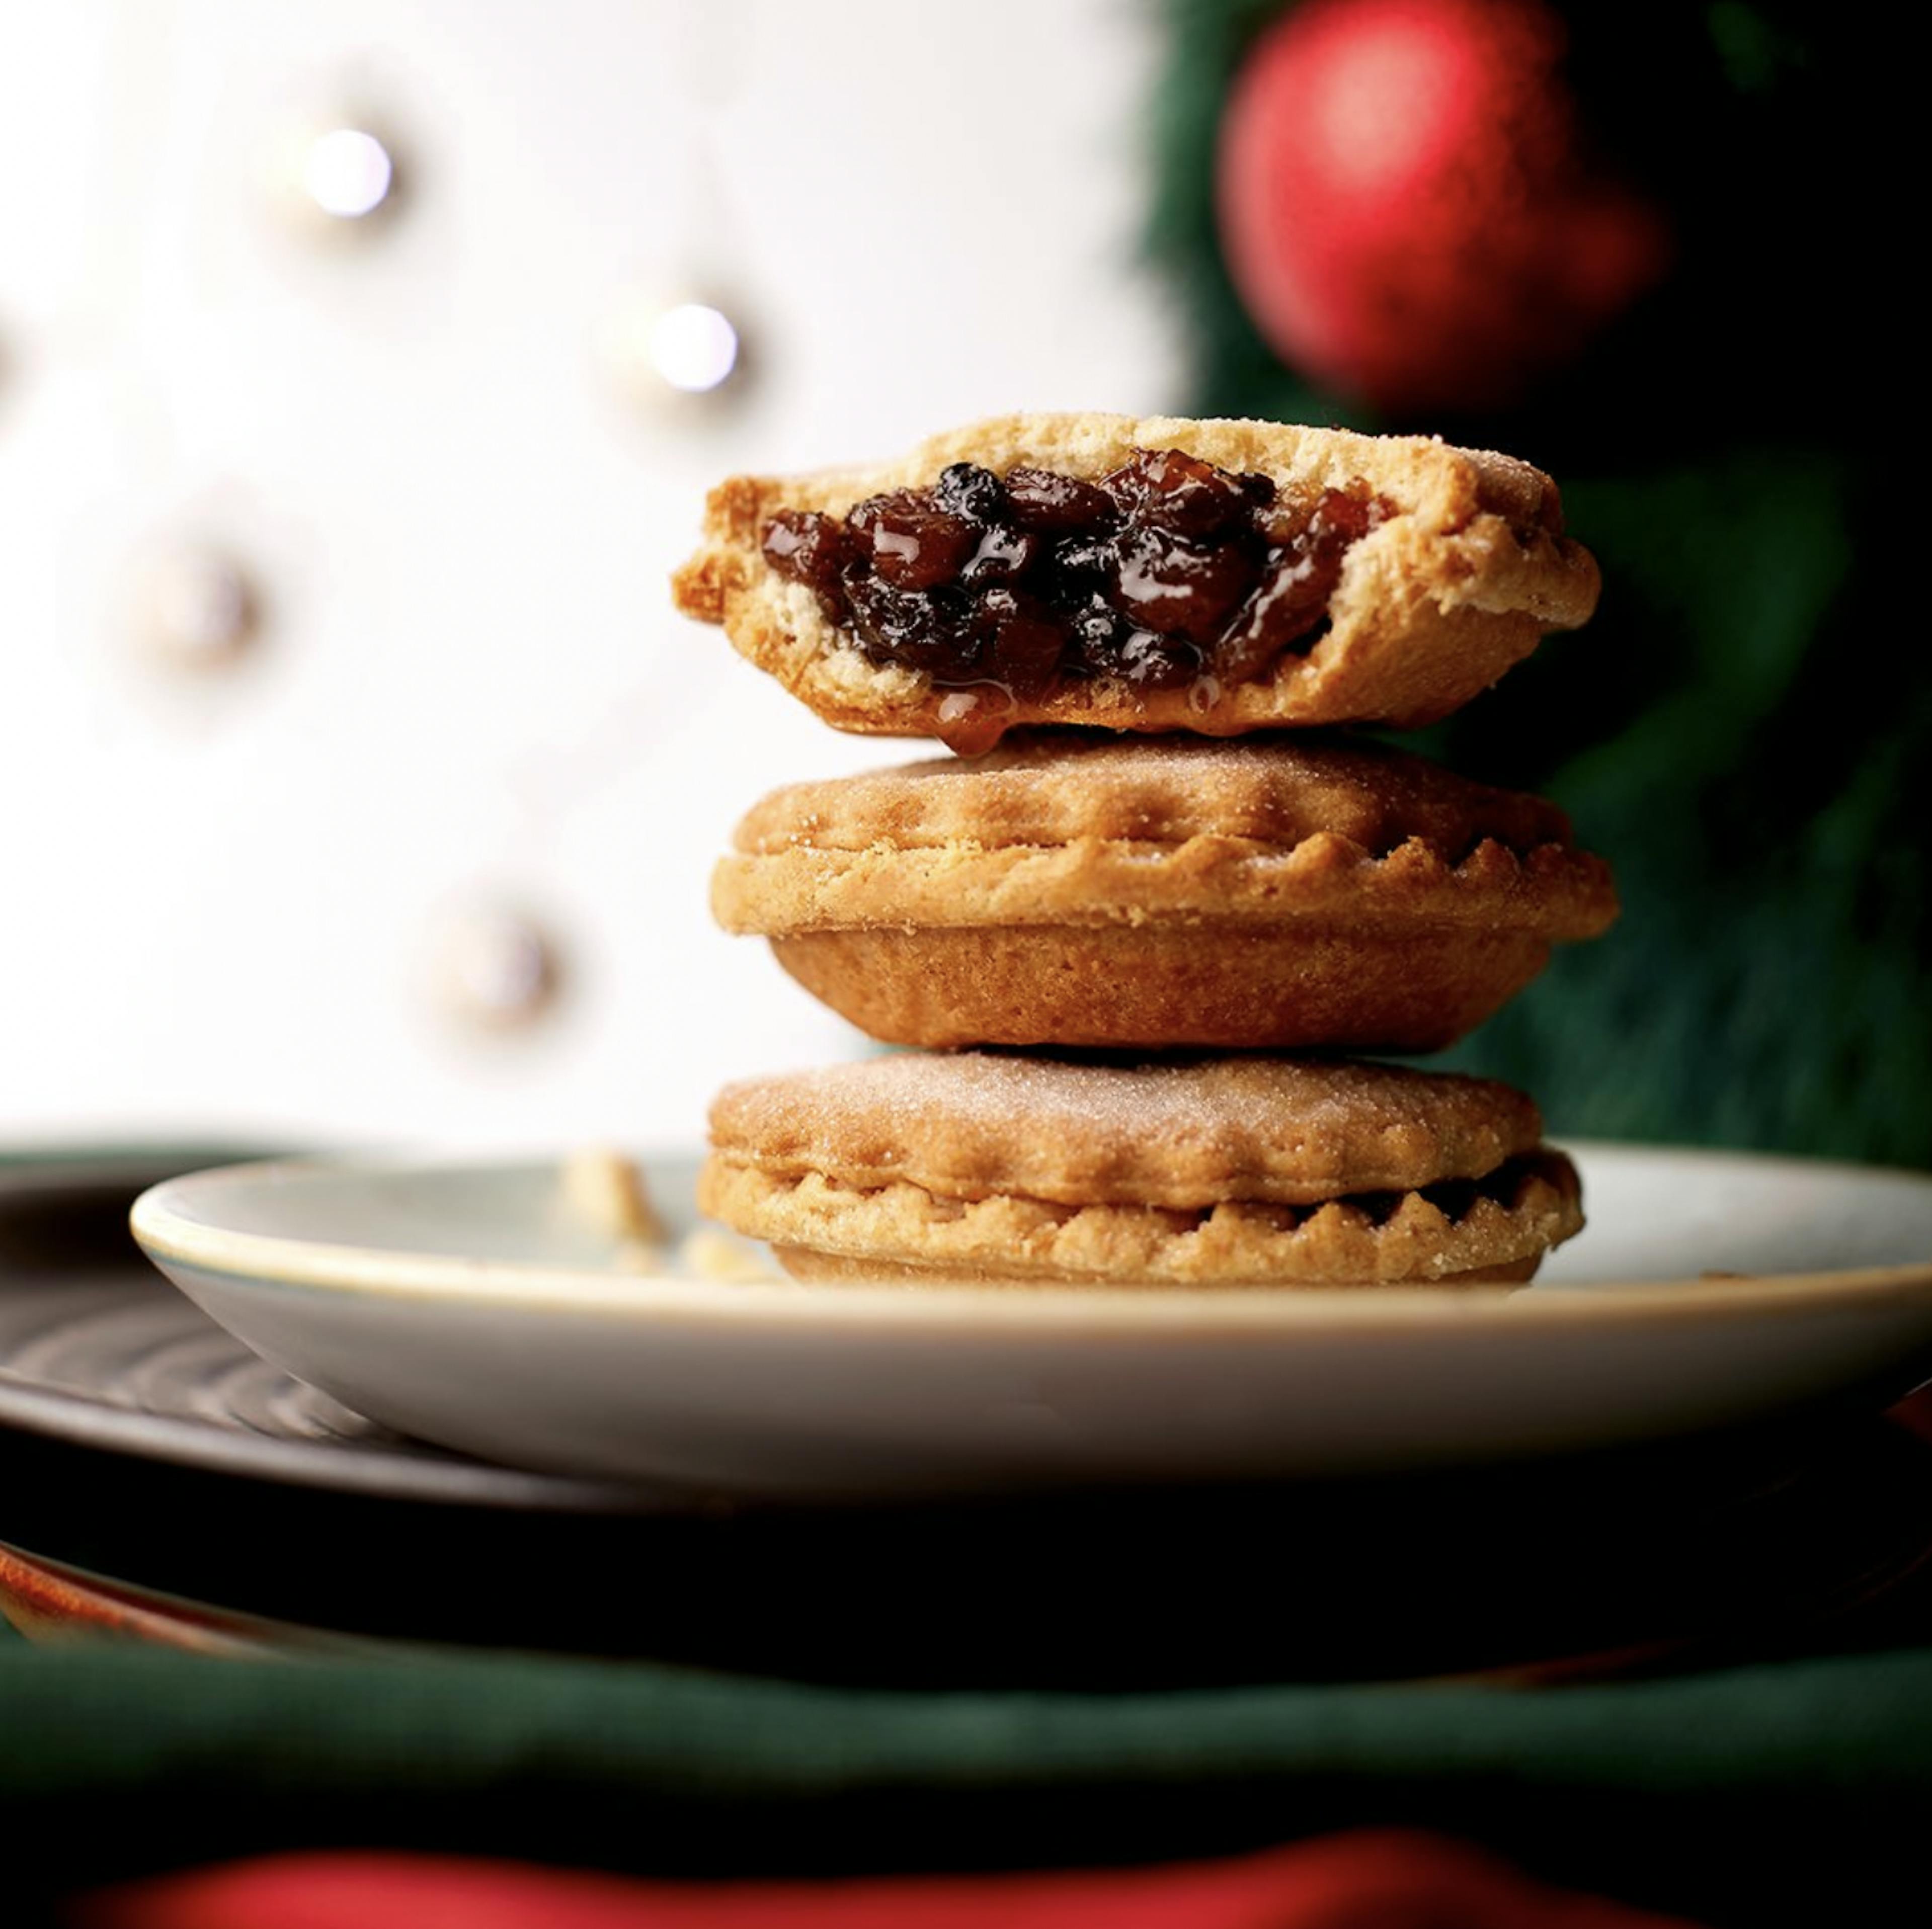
column 1559, row 893
column 1051, row 787
column 812, row 1267
column 1008, row 1236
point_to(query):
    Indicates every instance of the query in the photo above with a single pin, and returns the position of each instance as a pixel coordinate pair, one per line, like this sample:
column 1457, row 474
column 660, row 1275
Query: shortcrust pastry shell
column 1274, row 893
column 1462, row 581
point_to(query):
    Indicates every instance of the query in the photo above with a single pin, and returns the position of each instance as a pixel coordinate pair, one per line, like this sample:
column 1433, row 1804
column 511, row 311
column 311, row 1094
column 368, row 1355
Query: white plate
column 460, row 1303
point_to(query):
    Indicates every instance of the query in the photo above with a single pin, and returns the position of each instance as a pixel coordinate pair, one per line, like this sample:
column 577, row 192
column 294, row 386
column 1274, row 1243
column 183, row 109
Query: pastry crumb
column 604, row 1191
column 710, row 1254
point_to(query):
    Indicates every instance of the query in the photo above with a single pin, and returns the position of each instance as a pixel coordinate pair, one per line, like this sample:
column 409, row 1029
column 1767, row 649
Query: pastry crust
column 1460, row 582
column 1276, row 892
column 1274, row 1272
column 1182, row 1133
column 1248, row 1171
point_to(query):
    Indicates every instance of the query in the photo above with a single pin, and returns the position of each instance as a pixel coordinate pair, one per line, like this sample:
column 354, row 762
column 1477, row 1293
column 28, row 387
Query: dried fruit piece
column 1168, row 568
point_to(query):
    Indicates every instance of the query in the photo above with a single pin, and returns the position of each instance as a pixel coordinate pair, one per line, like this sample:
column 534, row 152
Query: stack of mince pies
column 1136, row 921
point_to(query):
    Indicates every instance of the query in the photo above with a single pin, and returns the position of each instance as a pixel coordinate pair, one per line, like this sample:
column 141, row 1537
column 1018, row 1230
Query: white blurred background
column 359, row 784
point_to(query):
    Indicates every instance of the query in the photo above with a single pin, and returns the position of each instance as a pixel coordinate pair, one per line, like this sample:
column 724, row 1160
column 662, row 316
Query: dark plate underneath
column 98, row 1348
column 138, row 1442
column 1579, row 1572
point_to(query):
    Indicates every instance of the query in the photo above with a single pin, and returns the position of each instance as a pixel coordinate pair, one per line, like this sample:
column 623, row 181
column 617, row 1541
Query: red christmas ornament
column 1407, row 208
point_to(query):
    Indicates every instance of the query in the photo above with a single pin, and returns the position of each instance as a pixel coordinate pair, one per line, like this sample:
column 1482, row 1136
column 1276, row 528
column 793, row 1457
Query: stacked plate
column 1666, row 1442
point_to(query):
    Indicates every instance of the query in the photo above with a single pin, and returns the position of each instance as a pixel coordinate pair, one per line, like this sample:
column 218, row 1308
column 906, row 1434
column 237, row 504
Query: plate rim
column 448, row 1478
column 168, row 1231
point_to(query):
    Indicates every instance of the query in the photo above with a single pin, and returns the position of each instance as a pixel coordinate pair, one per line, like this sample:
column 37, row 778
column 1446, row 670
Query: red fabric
column 1379, row 1880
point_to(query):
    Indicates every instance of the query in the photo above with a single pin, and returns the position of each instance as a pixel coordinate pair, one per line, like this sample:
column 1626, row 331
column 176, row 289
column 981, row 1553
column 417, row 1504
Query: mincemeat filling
column 1168, row 572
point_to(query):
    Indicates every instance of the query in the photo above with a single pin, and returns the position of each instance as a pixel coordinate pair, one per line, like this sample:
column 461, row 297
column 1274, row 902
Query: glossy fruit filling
column 1167, row 573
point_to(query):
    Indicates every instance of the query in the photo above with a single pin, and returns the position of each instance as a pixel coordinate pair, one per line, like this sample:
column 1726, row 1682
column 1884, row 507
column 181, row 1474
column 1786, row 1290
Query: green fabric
column 1749, row 1796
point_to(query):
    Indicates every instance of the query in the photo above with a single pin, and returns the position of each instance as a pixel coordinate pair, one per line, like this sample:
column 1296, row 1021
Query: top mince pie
column 1153, row 575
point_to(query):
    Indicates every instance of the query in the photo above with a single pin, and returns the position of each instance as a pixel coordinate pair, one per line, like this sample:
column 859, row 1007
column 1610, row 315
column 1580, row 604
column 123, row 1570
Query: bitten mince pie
column 986, row 1168
column 1156, row 575
column 1082, row 889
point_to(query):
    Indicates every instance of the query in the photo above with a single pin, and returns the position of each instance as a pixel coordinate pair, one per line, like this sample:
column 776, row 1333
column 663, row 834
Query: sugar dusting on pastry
column 1177, row 1134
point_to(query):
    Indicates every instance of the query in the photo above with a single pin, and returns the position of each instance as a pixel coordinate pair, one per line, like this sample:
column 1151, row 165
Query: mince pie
column 1250, row 1171
column 1158, row 575
column 1277, row 891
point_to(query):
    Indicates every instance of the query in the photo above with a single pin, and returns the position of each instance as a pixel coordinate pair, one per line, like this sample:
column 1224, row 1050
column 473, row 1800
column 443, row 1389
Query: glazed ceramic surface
column 97, row 1350
column 470, row 1306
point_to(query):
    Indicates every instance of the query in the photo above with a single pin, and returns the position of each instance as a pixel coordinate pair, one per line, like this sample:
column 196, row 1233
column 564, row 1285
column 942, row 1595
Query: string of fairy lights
column 199, row 607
